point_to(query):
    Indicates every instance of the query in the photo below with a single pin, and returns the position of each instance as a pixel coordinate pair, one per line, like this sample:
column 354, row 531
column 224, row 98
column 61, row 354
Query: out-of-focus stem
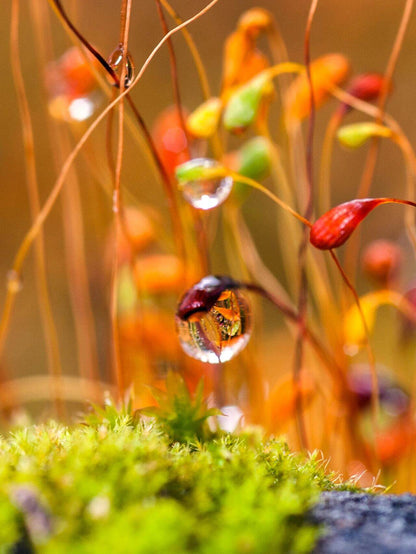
column 370, row 353
column 365, row 184
column 49, row 328
column 117, row 200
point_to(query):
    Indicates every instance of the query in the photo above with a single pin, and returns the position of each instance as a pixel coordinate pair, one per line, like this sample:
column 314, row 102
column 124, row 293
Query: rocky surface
column 363, row 523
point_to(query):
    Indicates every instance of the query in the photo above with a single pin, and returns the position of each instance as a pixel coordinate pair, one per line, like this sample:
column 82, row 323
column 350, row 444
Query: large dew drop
column 206, row 193
column 115, row 59
column 216, row 334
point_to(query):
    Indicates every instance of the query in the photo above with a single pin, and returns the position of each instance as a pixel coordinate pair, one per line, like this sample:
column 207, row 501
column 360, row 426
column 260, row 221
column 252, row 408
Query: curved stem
column 291, row 314
column 303, row 285
column 370, row 352
column 254, row 184
column 117, row 199
column 176, row 221
column 49, row 327
column 203, row 79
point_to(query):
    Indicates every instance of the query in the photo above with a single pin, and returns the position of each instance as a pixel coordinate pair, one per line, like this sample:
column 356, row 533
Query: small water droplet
column 217, row 335
column 115, row 59
column 14, row 281
column 206, row 194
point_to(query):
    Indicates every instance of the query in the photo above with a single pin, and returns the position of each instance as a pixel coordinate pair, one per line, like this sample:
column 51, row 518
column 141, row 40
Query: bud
column 244, row 104
column 326, row 72
column 170, row 139
column 255, row 21
column 203, row 122
column 367, row 87
column 381, row 261
column 71, row 75
column 159, row 273
column 355, row 135
column 254, row 158
column 334, row 227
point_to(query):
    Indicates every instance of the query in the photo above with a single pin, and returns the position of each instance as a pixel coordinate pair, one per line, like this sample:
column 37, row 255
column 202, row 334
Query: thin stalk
column 72, row 223
column 370, row 164
column 48, row 323
column 303, row 286
column 290, row 313
column 267, row 192
column 203, row 79
column 117, row 199
column 387, row 81
column 198, row 221
column 370, row 352
column 324, row 193
column 173, row 71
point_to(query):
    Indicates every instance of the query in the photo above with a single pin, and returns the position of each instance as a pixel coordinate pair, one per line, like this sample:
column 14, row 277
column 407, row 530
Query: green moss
column 124, row 487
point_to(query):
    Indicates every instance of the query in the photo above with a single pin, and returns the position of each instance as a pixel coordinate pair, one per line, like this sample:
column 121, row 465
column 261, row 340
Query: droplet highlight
column 208, row 192
column 115, row 60
column 218, row 331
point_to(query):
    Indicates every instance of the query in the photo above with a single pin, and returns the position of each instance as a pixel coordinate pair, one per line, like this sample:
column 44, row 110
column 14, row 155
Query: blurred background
column 363, row 30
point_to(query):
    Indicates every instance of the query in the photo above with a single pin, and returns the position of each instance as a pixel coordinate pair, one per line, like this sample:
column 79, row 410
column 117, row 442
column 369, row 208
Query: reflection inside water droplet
column 206, row 194
column 217, row 335
column 115, row 59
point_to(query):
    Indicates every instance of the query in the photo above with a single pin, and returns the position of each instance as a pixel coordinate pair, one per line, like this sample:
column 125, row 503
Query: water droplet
column 217, row 334
column 207, row 193
column 14, row 281
column 115, row 59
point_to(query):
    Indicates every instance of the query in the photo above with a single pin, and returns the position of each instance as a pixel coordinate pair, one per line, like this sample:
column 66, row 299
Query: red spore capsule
column 367, row 86
column 334, row 227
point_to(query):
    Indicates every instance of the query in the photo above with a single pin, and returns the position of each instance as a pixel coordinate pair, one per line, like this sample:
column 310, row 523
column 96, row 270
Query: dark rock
column 363, row 523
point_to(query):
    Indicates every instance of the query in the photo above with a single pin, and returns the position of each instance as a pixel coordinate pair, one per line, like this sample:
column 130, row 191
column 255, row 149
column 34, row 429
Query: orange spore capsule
column 254, row 21
column 334, row 227
column 71, row 75
column 170, row 139
column 326, row 72
column 381, row 261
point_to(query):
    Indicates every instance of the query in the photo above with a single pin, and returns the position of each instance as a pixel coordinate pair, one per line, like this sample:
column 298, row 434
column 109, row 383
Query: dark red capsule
column 334, row 227
column 367, row 87
column 203, row 295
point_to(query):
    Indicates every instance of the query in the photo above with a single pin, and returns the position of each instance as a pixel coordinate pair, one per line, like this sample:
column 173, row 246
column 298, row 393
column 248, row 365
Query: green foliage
column 119, row 485
column 181, row 417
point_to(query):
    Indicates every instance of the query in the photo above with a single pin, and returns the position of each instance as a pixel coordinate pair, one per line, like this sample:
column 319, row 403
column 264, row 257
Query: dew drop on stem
column 206, row 193
column 213, row 321
column 115, row 60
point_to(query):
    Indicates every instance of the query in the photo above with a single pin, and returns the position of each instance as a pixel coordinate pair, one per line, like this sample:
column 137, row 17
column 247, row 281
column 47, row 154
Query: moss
column 120, row 486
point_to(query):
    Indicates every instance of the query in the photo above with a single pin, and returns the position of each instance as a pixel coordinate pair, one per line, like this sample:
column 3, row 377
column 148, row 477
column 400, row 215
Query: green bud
column 203, row 121
column 255, row 158
column 198, row 169
column 355, row 135
column 243, row 106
